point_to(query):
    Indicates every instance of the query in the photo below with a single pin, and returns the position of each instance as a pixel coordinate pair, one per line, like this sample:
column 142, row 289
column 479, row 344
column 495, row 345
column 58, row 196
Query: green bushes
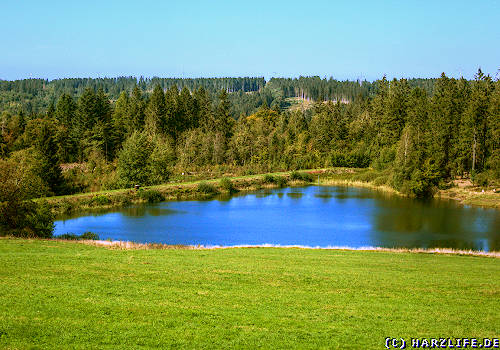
column 161, row 159
column 422, row 184
column 151, row 196
column 301, row 176
column 100, row 200
column 40, row 221
column 206, row 188
column 295, row 175
column 269, row 179
column 133, row 159
column 367, row 176
column 20, row 216
column 26, row 219
column 281, row 181
column 227, row 185
column 377, row 178
column 385, row 158
column 122, row 199
column 144, row 160
column 350, row 160
column 480, row 179
column 381, row 180
column 64, row 206
column 84, row 236
column 307, row 177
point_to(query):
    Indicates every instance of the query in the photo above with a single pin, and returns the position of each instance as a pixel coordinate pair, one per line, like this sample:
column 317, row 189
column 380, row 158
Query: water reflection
column 310, row 216
column 264, row 193
column 323, row 195
column 148, row 210
column 131, row 211
column 433, row 224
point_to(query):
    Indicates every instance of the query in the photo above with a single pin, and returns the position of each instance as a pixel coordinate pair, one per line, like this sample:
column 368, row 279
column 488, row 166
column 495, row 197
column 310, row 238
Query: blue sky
column 343, row 39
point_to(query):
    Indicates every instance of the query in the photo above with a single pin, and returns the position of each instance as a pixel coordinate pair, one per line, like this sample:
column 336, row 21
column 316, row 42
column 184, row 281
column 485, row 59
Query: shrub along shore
column 203, row 189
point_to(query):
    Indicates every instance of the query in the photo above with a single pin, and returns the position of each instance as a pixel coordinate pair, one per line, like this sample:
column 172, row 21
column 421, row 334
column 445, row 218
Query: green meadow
column 66, row 295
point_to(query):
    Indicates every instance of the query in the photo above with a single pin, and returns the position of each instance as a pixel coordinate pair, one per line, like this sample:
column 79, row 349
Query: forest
column 79, row 135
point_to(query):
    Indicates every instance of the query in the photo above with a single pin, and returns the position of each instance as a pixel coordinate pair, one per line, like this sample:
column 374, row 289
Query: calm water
column 308, row 216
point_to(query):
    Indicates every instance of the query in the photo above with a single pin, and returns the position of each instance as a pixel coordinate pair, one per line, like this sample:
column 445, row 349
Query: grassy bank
column 70, row 295
column 472, row 195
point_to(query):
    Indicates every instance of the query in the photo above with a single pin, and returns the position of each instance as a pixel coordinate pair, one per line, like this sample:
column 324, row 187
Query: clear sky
column 344, row 39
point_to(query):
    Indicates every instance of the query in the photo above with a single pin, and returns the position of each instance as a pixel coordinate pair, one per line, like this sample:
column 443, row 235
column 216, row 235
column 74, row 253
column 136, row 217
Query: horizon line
column 360, row 78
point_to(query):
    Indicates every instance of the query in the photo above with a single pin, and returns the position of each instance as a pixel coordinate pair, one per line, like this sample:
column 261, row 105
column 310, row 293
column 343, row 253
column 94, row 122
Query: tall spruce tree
column 223, row 118
column 66, row 115
column 186, row 110
column 137, row 109
column 121, row 119
column 101, row 136
column 204, row 110
column 475, row 121
column 444, row 118
column 172, row 119
column 156, row 112
column 47, row 149
column 394, row 116
column 66, row 110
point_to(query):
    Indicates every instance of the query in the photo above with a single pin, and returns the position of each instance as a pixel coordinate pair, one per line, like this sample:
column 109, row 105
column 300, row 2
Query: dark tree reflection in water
column 308, row 216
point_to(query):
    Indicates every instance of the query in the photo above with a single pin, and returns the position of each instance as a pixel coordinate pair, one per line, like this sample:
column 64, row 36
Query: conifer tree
column 121, row 119
column 172, row 120
column 444, row 116
column 87, row 114
column 475, row 121
column 69, row 138
column 223, row 121
column 394, row 116
column 156, row 111
column 101, row 136
column 137, row 109
column 3, row 146
column 66, row 110
column 51, row 111
column 203, row 110
column 186, row 110
column 46, row 147
column 493, row 135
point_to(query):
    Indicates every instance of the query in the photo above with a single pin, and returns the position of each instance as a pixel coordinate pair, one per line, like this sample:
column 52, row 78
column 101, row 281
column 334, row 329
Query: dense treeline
column 315, row 88
column 420, row 140
column 113, row 86
column 34, row 96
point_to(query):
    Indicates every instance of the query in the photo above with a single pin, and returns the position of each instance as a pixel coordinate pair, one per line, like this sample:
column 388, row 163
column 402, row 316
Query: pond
column 313, row 216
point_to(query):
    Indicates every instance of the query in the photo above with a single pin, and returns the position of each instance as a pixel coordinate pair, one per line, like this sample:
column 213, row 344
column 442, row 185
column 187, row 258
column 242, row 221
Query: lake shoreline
column 130, row 245
column 348, row 177
column 184, row 190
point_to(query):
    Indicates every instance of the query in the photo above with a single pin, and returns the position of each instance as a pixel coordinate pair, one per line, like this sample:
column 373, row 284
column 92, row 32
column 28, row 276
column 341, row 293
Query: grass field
column 70, row 295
